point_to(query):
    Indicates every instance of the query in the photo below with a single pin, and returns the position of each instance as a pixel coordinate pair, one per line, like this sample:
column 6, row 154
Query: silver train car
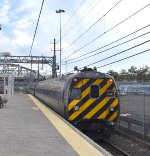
column 88, row 99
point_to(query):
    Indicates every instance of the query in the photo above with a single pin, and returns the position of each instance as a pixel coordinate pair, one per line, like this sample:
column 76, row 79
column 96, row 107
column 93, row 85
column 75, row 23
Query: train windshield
column 90, row 74
column 75, row 93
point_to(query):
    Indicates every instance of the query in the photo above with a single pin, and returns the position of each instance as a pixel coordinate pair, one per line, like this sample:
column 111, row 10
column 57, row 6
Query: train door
column 96, row 98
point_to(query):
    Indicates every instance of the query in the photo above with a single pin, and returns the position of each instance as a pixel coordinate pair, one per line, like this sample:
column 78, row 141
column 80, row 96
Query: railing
column 130, row 122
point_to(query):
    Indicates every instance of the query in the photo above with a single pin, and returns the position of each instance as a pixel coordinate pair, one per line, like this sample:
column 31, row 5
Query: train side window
column 63, row 96
column 75, row 93
column 95, row 91
column 51, row 93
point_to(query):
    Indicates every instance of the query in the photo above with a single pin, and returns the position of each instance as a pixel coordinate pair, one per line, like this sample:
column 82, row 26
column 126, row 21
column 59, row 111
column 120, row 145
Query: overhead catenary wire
column 78, row 21
column 119, row 53
column 94, row 17
column 75, row 12
column 82, row 17
column 86, row 10
column 30, row 53
column 93, row 25
column 106, row 50
column 124, row 58
column 109, row 43
column 75, row 24
column 120, row 59
column 108, row 31
column 89, row 11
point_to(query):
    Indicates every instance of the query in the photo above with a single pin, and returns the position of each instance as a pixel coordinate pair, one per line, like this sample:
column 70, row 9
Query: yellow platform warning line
column 79, row 144
column 35, row 108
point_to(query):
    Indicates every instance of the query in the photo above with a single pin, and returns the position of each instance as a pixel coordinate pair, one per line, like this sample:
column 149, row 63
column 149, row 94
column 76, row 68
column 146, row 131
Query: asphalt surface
column 24, row 131
column 135, row 106
column 28, row 128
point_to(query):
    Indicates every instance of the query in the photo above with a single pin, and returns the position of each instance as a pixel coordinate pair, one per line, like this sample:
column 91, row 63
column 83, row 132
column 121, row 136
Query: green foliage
column 133, row 74
column 114, row 74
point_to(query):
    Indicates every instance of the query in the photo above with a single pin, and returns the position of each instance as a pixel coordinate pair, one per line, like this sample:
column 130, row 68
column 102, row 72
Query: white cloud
column 20, row 22
column 4, row 12
column 23, row 24
column 6, row 45
column 25, row 6
column 22, row 39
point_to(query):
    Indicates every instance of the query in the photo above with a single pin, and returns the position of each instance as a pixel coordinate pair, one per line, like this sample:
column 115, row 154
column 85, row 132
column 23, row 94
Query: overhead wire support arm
column 27, row 59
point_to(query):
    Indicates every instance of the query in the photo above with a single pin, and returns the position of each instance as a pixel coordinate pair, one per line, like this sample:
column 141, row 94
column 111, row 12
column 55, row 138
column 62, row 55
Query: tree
column 114, row 74
column 142, row 73
column 123, row 74
column 132, row 73
column 133, row 70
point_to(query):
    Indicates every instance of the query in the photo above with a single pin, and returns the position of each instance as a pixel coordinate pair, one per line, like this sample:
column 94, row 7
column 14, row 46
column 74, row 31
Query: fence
column 135, row 107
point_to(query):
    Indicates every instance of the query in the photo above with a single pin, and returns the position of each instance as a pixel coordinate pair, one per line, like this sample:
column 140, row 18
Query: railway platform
column 28, row 128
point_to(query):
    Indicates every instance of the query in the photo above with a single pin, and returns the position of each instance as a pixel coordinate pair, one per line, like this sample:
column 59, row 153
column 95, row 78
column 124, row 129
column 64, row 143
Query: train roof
column 90, row 74
column 55, row 84
column 59, row 82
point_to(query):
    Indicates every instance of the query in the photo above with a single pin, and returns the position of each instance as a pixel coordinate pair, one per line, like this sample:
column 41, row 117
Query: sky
column 88, row 27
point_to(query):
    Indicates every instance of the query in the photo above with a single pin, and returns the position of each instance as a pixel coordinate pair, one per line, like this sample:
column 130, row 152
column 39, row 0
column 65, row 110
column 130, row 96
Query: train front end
column 93, row 103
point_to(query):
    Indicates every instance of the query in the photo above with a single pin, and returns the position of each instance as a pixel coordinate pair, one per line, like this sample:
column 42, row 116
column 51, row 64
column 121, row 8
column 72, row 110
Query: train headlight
column 75, row 79
column 111, row 123
column 76, row 108
column 111, row 109
column 110, row 80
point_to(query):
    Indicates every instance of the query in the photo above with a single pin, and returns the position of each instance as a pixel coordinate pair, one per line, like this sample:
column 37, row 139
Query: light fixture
column 76, row 108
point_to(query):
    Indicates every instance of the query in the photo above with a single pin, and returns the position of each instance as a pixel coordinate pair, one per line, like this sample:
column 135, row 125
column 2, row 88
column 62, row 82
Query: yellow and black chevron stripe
column 93, row 108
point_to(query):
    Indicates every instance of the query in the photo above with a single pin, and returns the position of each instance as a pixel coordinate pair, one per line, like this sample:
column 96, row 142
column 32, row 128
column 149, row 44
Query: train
column 87, row 99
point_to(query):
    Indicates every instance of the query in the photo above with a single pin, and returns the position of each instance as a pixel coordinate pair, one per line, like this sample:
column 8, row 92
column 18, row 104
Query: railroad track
column 112, row 149
column 121, row 145
column 134, row 136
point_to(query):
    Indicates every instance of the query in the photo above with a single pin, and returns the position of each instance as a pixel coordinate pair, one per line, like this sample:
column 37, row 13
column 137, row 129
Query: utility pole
column 66, row 67
column 54, row 73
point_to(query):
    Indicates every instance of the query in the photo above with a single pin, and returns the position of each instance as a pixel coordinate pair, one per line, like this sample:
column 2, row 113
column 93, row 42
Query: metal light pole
column 60, row 11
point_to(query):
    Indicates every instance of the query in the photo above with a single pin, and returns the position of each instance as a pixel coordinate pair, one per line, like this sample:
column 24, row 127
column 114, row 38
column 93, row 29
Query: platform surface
column 26, row 131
